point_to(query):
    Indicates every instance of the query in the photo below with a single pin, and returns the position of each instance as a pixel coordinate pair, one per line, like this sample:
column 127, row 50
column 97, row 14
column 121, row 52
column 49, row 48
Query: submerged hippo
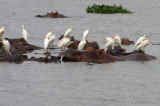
column 99, row 55
column 52, row 15
column 19, row 47
column 90, row 55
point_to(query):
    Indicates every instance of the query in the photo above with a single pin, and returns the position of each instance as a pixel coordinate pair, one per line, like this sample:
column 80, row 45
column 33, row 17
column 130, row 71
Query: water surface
column 81, row 84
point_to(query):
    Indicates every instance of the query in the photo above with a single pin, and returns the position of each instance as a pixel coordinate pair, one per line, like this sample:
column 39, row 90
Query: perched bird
column 65, row 35
column 6, row 45
column 110, row 43
column 84, row 40
column 49, row 34
column 60, row 42
column 118, row 41
column 25, row 34
column 107, row 38
column 68, row 32
column 82, row 44
column 144, row 44
column 65, row 41
column 46, row 44
column 2, row 31
column 85, row 34
column 51, row 39
column 140, row 40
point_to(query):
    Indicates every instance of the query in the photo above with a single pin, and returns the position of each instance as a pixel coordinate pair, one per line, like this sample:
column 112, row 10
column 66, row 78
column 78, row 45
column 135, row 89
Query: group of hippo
column 90, row 53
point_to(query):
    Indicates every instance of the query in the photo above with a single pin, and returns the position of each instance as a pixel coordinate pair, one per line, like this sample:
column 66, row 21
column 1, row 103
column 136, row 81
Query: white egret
column 51, row 39
column 25, row 34
column 84, row 40
column 65, row 35
column 65, row 41
column 6, row 45
column 82, row 44
column 144, row 44
column 2, row 31
column 140, row 40
column 68, row 32
column 85, row 34
column 60, row 42
column 46, row 44
column 110, row 43
column 118, row 41
column 49, row 34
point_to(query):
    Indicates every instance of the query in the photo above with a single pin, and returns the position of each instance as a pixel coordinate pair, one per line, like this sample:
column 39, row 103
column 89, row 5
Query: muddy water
column 81, row 84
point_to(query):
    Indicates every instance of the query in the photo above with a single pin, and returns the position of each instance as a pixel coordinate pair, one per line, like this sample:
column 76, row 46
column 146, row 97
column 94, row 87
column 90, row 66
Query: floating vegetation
column 106, row 9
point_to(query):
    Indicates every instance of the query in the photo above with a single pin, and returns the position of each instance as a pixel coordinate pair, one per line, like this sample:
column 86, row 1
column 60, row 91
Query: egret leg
column 52, row 45
column 112, row 47
column 63, row 48
column 10, row 54
column 106, row 48
column 142, row 51
column 49, row 46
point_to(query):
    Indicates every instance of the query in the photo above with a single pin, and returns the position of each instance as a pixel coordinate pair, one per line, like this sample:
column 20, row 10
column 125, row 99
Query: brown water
column 81, row 84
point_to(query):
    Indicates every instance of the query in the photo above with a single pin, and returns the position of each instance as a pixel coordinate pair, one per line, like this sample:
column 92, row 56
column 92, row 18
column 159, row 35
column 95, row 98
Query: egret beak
column 70, row 38
column 115, row 34
column 147, row 36
column 4, row 27
column 115, row 39
column 150, row 42
column 51, row 31
column 104, row 38
column 86, row 39
column 72, row 28
column 3, row 39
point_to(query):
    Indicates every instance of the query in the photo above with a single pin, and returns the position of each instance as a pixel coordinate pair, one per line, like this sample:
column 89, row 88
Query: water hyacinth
column 106, row 9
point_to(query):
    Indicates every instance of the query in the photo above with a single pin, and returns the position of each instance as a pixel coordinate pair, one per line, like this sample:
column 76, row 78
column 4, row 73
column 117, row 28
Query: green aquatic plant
column 106, row 9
